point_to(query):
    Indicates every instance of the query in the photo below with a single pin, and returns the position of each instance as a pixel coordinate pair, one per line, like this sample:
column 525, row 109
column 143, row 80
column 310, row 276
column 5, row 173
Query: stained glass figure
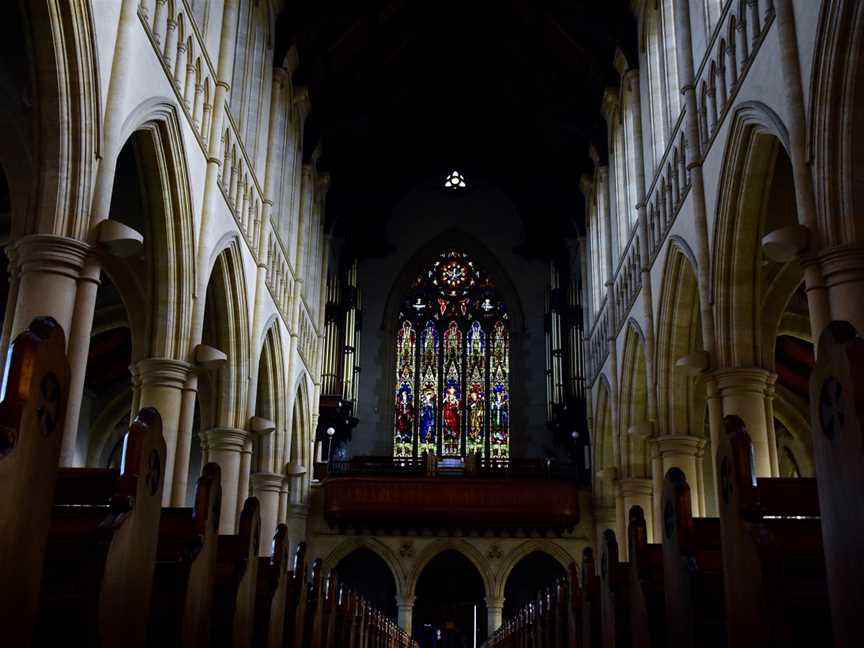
column 499, row 379
column 451, row 408
column 427, row 441
column 403, row 434
column 476, row 393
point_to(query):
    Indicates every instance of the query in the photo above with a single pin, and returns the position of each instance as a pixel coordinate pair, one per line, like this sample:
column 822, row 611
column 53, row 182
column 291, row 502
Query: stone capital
column 680, row 445
column 842, row 264
column 405, row 601
column 161, row 372
column 635, row 486
column 51, row 254
column 493, row 602
column 224, row 439
column 744, row 380
column 266, row 482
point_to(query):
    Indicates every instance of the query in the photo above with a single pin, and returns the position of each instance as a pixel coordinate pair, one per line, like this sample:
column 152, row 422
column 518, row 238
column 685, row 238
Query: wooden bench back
column 837, row 414
column 271, row 594
column 647, row 616
column 614, row 594
column 182, row 599
column 592, row 625
column 124, row 600
column 236, row 580
column 34, row 395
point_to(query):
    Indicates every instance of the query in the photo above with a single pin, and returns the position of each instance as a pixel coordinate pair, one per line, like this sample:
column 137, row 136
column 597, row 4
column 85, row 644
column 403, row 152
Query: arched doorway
column 531, row 574
column 450, row 603
column 367, row 574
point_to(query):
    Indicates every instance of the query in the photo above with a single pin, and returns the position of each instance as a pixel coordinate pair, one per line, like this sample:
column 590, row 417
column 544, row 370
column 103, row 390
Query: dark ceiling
column 507, row 91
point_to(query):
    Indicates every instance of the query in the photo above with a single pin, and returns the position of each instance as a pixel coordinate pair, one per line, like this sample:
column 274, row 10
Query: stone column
column 745, row 392
column 842, row 268
column 224, row 446
column 636, row 492
column 245, row 473
column 296, row 522
column 48, row 271
column 405, row 605
column 266, row 487
column 494, row 614
column 160, row 385
column 184, row 440
column 684, row 452
column 284, row 493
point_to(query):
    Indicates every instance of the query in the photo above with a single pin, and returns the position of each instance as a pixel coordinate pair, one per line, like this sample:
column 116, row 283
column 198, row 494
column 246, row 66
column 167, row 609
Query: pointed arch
column 226, row 327
column 836, row 134
column 441, row 545
column 755, row 196
column 349, row 546
column 270, row 401
column 679, row 333
column 154, row 141
column 605, row 446
column 299, row 460
column 633, row 401
column 528, row 547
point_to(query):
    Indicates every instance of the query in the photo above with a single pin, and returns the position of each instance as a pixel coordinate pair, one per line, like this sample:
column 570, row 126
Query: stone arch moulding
column 439, row 546
column 347, row 547
column 525, row 549
column 748, row 159
column 170, row 225
column 835, row 141
column 69, row 115
column 676, row 334
column 230, row 291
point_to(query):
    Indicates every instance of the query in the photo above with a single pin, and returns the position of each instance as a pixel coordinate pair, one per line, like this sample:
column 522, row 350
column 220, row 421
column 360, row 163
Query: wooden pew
column 314, row 607
column 614, row 595
column 692, row 571
column 235, row 581
column 331, row 610
column 33, row 406
column 837, row 413
column 185, row 559
column 773, row 564
column 295, row 597
column 101, row 546
column 592, row 624
column 647, row 604
column 272, row 588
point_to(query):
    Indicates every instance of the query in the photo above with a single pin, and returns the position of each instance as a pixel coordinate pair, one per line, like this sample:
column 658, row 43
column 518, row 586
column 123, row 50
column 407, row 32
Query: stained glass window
column 403, row 435
column 458, row 363
column 499, row 379
column 455, row 180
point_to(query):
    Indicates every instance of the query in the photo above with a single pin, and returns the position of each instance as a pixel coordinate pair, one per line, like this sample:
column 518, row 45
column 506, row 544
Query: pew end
column 692, row 569
column 34, row 396
column 186, row 553
column 837, row 413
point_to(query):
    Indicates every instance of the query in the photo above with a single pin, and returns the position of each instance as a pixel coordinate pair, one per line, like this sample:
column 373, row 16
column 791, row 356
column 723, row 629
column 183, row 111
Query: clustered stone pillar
column 748, row 392
column 494, row 614
column 296, row 523
column 48, row 271
column 686, row 453
column 159, row 383
column 224, row 446
column 634, row 491
column 405, row 605
column 266, row 487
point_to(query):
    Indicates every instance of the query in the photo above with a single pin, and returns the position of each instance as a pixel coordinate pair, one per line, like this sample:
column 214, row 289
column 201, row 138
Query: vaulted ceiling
column 505, row 90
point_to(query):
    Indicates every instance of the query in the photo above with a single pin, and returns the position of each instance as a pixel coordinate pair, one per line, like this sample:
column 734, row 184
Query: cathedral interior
column 394, row 324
